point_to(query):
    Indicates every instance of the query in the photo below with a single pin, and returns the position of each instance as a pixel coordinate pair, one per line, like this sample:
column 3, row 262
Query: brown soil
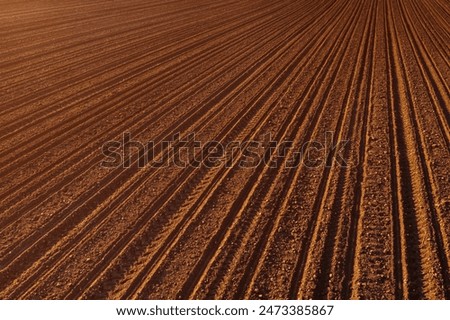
column 76, row 74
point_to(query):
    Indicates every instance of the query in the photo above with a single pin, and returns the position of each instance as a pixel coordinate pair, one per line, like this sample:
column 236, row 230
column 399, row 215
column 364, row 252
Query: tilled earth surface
column 369, row 219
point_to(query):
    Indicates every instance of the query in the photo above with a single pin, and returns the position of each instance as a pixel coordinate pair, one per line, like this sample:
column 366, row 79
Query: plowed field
column 368, row 220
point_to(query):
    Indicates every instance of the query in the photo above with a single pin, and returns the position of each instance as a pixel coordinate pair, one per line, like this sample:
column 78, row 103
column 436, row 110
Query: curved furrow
column 444, row 14
column 442, row 23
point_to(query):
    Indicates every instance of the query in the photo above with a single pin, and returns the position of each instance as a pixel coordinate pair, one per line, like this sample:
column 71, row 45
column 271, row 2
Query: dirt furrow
column 94, row 160
column 54, row 45
column 109, row 43
column 318, row 270
column 159, row 63
column 333, row 118
column 237, row 81
column 205, row 102
column 136, row 35
column 231, row 210
column 423, row 274
column 421, row 122
column 246, row 225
